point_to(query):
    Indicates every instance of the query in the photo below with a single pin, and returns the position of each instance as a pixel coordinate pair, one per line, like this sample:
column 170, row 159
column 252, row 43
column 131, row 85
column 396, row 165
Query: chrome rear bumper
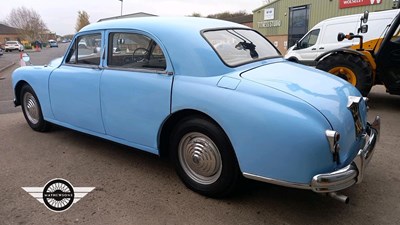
column 353, row 173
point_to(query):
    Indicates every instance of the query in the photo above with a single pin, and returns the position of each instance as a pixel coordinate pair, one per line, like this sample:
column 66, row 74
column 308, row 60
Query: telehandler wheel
column 351, row 68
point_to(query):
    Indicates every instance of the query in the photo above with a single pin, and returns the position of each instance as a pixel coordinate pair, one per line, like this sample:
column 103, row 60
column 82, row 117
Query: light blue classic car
column 214, row 96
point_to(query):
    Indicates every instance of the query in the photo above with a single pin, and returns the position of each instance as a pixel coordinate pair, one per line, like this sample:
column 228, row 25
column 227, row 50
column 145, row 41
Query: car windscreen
column 239, row 46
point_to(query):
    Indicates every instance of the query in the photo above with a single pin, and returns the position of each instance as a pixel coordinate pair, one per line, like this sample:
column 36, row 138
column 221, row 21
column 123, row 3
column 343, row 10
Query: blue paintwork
column 75, row 97
column 274, row 112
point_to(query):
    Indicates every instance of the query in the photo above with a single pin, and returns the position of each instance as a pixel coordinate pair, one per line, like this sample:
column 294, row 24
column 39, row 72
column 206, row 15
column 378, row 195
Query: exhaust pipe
column 342, row 198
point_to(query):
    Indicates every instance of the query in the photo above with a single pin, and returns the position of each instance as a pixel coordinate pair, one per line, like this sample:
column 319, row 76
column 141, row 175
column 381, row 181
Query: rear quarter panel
column 273, row 134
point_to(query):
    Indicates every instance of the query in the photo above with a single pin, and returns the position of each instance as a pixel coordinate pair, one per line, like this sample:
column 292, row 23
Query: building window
column 298, row 23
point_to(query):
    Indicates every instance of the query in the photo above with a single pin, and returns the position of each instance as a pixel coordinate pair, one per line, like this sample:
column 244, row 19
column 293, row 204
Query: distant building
column 8, row 33
column 284, row 22
column 139, row 14
column 47, row 35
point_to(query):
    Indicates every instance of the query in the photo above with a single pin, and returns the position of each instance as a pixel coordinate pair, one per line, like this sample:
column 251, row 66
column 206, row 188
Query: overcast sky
column 60, row 16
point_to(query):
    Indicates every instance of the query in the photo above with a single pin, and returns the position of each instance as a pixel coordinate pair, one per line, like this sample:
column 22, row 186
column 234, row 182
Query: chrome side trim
column 353, row 100
column 277, row 182
column 353, row 106
column 333, row 138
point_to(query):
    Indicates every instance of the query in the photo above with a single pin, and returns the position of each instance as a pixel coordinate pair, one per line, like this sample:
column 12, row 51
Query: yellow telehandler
column 370, row 63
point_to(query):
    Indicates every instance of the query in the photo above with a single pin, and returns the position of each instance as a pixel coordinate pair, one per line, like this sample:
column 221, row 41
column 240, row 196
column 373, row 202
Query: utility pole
column 122, row 3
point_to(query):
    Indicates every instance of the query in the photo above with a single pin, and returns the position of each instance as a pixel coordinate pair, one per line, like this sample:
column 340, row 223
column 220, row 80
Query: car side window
column 86, row 50
column 135, row 51
column 309, row 40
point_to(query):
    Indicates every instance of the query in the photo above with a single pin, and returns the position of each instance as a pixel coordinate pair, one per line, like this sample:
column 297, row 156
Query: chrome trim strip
column 330, row 134
column 277, row 182
column 353, row 100
column 377, row 126
column 353, row 106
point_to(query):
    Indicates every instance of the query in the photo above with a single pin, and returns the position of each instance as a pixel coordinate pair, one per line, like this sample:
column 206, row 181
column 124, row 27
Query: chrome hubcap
column 31, row 108
column 200, row 158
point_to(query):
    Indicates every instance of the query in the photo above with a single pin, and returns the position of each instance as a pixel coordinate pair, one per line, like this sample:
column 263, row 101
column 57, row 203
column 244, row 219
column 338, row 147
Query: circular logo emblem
column 58, row 195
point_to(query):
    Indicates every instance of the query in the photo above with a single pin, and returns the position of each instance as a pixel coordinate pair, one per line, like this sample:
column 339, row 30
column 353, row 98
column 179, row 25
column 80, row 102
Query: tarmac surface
column 5, row 64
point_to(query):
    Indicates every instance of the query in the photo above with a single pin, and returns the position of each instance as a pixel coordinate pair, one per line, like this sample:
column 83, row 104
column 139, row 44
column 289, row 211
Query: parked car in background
column 1, row 51
column 53, row 44
column 13, row 45
column 82, row 44
column 215, row 96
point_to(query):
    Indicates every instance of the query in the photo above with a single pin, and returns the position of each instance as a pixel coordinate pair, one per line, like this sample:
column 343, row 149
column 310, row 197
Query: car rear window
column 239, row 46
column 11, row 43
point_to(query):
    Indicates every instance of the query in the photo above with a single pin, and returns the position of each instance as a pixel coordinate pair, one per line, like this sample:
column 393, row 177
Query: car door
column 74, row 87
column 135, row 88
column 307, row 47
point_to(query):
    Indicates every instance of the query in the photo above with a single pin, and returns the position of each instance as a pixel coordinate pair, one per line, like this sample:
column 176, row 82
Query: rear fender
column 339, row 50
column 365, row 55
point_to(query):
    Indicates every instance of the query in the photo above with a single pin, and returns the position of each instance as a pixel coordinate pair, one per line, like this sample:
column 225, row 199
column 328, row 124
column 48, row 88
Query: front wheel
column 351, row 68
column 31, row 109
column 204, row 158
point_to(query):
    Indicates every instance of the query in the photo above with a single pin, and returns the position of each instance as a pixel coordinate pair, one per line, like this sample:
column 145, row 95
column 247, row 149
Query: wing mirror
column 341, row 37
column 364, row 29
column 25, row 58
column 297, row 44
column 364, row 18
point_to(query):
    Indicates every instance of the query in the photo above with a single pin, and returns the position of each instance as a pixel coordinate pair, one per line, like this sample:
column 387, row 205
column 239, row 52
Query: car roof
column 157, row 24
column 189, row 52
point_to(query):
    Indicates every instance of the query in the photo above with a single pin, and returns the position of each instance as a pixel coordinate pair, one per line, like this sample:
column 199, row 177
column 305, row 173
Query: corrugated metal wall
column 319, row 10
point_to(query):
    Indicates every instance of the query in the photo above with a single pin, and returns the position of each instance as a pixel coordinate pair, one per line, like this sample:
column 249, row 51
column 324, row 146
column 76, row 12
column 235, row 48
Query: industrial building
column 284, row 22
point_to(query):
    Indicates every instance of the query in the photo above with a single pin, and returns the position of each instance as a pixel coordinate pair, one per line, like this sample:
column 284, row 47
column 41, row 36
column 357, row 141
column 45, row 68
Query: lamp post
column 122, row 3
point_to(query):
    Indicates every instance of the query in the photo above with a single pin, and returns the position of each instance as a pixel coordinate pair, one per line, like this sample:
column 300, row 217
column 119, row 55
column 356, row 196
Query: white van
column 323, row 36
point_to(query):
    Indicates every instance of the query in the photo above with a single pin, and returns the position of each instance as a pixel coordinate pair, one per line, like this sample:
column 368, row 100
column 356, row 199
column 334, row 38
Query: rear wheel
column 31, row 109
column 351, row 68
column 204, row 158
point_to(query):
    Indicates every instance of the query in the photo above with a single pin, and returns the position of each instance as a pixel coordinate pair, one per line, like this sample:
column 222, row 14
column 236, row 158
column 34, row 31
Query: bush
column 28, row 46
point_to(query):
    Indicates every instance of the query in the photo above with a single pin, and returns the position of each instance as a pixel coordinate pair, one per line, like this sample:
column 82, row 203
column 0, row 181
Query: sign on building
column 355, row 3
column 269, row 14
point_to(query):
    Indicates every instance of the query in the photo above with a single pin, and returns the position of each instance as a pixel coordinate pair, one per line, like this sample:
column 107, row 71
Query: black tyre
column 204, row 158
column 32, row 110
column 293, row 59
column 351, row 68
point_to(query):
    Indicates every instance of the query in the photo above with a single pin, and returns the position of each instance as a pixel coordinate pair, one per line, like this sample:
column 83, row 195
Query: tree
column 28, row 22
column 227, row 14
column 195, row 14
column 83, row 20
